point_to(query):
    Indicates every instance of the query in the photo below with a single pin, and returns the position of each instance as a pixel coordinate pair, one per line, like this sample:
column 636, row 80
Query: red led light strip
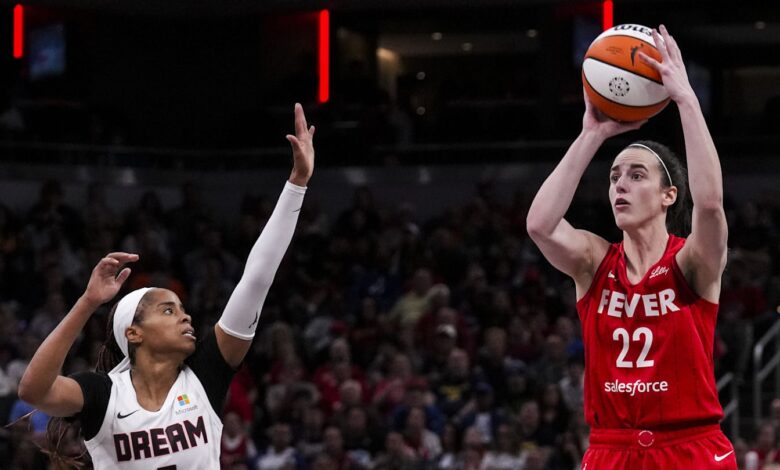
column 18, row 32
column 323, row 91
column 607, row 18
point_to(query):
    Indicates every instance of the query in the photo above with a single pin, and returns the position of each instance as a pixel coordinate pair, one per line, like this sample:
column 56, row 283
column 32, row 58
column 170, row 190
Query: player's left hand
column 671, row 67
column 303, row 149
column 107, row 277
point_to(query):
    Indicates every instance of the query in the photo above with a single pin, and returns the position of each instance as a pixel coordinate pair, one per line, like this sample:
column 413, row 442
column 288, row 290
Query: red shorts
column 702, row 447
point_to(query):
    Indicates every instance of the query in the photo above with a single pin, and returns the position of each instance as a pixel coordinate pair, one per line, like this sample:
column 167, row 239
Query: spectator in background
column 571, row 386
column 212, row 292
column 505, row 451
column 334, row 449
column 568, row 332
column 51, row 220
column 453, row 317
column 455, row 388
column 237, row 447
column 551, row 367
column 362, row 220
column 25, row 416
column 280, row 454
column 765, row 454
column 412, row 305
column 481, row 413
column 494, row 363
column 366, row 333
column 418, row 395
column 211, row 246
column 397, row 455
column 389, row 391
column 425, row 443
column 310, row 437
column 741, row 450
column 450, row 445
column 97, row 211
column 473, row 450
column 444, row 343
column 187, row 219
column 48, row 316
column 360, row 435
column 553, row 411
column 339, row 368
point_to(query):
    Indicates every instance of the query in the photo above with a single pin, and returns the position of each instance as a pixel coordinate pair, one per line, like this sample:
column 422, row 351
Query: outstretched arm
column 704, row 256
column 41, row 384
column 573, row 252
column 236, row 327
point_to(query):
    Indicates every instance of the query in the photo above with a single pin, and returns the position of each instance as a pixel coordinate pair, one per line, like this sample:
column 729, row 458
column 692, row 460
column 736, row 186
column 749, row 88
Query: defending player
column 157, row 407
column 648, row 304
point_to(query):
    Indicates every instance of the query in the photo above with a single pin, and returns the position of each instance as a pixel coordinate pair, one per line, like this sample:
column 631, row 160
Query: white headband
column 659, row 159
column 124, row 314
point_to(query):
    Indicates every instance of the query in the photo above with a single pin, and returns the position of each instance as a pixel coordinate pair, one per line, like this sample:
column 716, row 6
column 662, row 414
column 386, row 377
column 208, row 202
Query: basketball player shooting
column 647, row 304
column 153, row 401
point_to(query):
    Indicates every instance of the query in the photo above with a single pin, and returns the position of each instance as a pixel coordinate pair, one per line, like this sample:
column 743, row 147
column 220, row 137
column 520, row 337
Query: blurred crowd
column 386, row 342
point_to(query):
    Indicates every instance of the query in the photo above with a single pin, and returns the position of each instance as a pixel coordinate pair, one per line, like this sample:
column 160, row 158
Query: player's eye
column 636, row 176
column 168, row 311
column 614, row 178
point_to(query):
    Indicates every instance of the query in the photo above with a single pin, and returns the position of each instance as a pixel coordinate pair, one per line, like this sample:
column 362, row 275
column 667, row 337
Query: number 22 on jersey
column 621, row 334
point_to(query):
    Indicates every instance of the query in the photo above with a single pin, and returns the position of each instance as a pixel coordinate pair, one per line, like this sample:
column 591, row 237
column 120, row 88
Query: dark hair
column 108, row 357
column 678, row 216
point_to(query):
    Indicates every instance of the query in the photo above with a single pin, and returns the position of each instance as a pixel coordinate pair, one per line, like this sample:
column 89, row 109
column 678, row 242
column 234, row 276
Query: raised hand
column 107, row 277
column 303, row 149
column 595, row 121
column 671, row 67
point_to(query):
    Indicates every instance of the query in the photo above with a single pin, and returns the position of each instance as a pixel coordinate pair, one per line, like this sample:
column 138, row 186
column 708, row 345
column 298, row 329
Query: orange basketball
column 615, row 78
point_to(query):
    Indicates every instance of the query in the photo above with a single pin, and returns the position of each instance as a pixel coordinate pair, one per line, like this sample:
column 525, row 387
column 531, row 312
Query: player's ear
column 670, row 196
column 134, row 335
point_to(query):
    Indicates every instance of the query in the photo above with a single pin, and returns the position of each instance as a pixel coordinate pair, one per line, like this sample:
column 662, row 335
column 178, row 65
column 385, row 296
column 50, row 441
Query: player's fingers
column 123, row 275
column 293, row 141
column 661, row 45
column 108, row 261
column 654, row 64
column 300, row 121
column 123, row 257
column 674, row 49
column 311, row 131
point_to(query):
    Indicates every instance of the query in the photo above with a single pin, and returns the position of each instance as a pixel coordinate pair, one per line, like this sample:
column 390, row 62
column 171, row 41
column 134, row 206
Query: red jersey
column 648, row 347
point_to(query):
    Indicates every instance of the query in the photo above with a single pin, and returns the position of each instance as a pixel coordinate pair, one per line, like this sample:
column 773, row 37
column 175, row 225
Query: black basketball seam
column 621, row 68
column 613, row 101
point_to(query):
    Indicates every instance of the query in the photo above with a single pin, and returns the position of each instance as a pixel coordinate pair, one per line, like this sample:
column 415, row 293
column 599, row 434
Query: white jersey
column 184, row 434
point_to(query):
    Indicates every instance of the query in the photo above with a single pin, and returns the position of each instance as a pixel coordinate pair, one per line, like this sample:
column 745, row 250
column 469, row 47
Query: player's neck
column 643, row 247
column 153, row 380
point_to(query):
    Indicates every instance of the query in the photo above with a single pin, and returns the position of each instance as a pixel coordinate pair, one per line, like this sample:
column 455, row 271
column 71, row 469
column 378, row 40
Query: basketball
column 617, row 81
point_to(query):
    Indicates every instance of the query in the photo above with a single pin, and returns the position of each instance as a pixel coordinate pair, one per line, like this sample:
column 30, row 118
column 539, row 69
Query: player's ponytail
column 678, row 216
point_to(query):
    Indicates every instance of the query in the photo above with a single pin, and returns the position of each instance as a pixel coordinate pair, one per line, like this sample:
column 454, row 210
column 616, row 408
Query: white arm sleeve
column 246, row 302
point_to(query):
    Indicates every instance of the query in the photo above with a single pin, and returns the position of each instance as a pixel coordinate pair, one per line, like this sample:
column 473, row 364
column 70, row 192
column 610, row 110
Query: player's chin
column 623, row 221
column 187, row 345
